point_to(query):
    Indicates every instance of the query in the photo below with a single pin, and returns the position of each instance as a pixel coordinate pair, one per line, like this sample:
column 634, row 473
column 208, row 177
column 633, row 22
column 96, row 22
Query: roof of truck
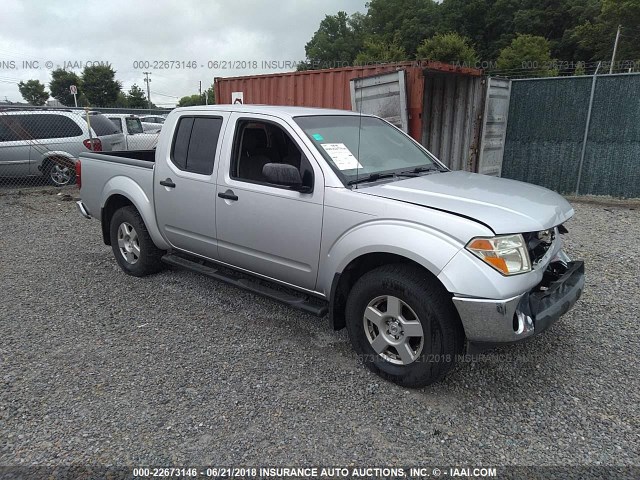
column 270, row 110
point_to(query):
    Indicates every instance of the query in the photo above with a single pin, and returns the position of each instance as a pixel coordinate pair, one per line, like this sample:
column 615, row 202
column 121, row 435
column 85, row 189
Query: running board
column 302, row 302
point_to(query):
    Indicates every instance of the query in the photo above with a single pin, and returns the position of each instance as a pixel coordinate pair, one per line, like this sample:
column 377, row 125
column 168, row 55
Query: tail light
column 93, row 144
column 79, row 174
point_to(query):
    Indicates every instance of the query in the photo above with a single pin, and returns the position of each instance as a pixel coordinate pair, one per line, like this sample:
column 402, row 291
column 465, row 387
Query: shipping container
column 439, row 105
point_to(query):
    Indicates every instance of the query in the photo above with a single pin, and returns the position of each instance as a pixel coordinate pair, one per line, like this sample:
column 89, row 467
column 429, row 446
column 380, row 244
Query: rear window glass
column 194, row 147
column 37, row 127
column 117, row 122
column 101, row 125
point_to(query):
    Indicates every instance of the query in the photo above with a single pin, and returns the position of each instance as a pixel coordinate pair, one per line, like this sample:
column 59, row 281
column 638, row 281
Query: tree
column 61, row 80
column 596, row 36
column 137, row 97
column 335, row 43
column 404, row 23
column 122, row 101
column 33, row 92
column 528, row 54
column 449, row 48
column 377, row 50
column 100, row 86
column 191, row 100
column 469, row 19
column 197, row 99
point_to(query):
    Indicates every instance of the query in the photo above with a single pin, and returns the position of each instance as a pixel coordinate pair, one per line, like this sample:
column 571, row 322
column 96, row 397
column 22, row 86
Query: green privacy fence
column 546, row 132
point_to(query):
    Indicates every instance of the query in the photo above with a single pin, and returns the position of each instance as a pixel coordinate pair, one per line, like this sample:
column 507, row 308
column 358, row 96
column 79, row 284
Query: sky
column 37, row 36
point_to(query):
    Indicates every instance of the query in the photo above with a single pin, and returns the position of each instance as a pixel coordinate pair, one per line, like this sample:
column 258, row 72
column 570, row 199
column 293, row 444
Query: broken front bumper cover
column 489, row 322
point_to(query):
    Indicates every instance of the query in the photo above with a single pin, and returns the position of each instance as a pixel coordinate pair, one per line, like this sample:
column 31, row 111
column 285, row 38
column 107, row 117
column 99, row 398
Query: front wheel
column 403, row 325
column 132, row 246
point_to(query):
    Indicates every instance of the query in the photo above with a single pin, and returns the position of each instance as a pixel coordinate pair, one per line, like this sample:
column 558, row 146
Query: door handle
column 228, row 195
column 168, row 183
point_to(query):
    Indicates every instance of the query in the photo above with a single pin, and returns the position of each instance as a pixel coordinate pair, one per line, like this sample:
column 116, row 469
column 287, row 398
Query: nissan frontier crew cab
column 339, row 213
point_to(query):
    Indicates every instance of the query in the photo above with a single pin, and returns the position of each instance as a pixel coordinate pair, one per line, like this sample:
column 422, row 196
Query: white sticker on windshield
column 341, row 156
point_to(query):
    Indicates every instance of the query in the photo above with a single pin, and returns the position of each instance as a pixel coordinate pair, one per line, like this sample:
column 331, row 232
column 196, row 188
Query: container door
column 384, row 95
column 494, row 126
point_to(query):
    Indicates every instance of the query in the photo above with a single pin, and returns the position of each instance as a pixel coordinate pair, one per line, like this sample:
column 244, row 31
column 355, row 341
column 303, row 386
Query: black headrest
column 254, row 138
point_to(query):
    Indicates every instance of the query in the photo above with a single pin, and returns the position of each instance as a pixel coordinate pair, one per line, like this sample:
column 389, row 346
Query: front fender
column 125, row 186
column 428, row 247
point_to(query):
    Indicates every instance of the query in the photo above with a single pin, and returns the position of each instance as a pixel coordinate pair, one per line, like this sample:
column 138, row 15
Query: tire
column 58, row 174
column 132, row 246
column 422, row 333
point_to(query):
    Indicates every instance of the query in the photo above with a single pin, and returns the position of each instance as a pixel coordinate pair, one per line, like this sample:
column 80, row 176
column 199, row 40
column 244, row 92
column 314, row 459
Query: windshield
column 360, row 147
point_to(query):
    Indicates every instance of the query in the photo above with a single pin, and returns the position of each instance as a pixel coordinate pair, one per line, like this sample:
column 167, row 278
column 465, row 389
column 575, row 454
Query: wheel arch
column 54, row 157
column 123, row 191
column 344, row 281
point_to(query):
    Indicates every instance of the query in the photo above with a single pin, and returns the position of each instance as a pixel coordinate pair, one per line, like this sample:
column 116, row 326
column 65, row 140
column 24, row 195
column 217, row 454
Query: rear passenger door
column 185, row 182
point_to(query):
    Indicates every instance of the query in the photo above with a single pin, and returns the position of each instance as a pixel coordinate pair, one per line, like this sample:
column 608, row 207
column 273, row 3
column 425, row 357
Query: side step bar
column 302, row 302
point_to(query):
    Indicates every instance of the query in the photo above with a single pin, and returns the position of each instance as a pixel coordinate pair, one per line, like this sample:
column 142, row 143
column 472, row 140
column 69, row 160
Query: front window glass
column 134, row 125
column 359, row 147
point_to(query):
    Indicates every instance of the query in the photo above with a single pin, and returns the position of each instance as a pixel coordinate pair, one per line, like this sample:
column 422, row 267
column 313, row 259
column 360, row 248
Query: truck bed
column 117, row 172
column 123, row 156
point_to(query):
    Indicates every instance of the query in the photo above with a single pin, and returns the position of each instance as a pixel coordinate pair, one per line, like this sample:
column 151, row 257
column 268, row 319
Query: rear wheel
column 403, row 325
column 59, row 174
column 132, row 246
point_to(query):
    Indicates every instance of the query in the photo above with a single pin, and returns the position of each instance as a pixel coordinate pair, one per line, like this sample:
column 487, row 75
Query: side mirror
column 285, row 175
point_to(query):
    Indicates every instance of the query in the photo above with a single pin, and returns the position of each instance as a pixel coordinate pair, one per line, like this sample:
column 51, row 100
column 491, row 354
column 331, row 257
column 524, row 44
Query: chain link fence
column 39, row 146
column 576, row 135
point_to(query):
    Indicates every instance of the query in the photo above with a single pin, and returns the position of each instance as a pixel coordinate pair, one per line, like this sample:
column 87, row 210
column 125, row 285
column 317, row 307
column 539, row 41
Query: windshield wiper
column 420, row 170
column 371, row 178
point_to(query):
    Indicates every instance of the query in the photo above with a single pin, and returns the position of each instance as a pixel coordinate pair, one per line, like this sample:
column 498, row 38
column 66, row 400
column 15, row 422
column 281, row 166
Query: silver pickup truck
column 342, row 214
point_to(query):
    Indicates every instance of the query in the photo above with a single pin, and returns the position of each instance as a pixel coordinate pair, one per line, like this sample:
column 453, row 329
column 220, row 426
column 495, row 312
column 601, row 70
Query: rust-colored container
column 330, row 88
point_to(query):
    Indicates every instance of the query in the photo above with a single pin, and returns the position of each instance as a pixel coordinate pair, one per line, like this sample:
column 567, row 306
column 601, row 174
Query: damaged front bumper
column 487, row 322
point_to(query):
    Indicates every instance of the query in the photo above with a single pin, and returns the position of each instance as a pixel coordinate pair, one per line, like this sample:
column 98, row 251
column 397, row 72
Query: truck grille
column 538, row 243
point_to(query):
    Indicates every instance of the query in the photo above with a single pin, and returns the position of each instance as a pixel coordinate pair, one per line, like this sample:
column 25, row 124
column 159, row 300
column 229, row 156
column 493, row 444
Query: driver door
column 265, row 228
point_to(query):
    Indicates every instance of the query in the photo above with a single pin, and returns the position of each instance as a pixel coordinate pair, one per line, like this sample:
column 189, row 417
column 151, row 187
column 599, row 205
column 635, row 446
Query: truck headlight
column 506, row 253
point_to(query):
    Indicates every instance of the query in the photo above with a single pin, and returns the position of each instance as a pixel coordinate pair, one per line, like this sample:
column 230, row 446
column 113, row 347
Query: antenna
column 359, row 129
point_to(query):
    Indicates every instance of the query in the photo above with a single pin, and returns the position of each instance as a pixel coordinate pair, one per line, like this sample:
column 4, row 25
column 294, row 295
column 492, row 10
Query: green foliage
column 136, row 97
column 33, row 92
column 337, row 41
column 122, row 101
column 197, row 99
column 575, row 30
column 100, row 86
column 191, row 100
column 527, row 52
column 376, row 50
column 404, row 23
column 448, row 48
column 59, row 85
column 596, row 36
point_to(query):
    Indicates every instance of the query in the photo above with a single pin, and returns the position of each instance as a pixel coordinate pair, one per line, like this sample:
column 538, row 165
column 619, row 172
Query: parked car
column 135, row 137
column 152, row 123
column 151, row 127
column 152, row 118
column 334, row 212
column 48, row 142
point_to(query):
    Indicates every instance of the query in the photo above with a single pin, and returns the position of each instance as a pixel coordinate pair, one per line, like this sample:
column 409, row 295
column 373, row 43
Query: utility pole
column 615, row 47
column 147, row 80
column 200, row 89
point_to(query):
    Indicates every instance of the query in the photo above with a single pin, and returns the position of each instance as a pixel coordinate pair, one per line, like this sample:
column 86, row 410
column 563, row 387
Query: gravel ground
column 99, row 367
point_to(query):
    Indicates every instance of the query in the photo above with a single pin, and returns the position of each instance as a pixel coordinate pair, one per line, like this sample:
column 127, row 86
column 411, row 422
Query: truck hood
column 506, row 206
